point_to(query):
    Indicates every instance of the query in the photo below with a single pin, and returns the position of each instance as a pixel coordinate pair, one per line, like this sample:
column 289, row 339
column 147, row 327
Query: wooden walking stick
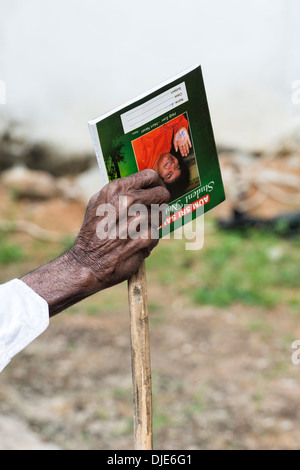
column 140, row 359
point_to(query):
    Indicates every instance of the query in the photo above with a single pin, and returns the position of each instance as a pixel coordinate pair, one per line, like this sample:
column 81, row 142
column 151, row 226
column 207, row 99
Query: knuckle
column 112, row 190
column 166, row 196
column 93, row 200
column 151, row 177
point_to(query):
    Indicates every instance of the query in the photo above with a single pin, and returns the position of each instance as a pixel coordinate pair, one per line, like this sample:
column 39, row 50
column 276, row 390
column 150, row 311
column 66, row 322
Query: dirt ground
column 217, row 383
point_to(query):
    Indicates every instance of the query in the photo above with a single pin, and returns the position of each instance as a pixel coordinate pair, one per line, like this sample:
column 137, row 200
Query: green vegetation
column 10, row 252
column 252, row 268
column 198, row 402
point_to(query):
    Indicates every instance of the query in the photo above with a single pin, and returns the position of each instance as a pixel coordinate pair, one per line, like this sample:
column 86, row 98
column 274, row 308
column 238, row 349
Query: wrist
column 62, row 283
column 80, row 273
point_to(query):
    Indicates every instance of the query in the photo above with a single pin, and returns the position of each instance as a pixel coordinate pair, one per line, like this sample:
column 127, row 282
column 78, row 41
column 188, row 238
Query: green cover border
column 110, row 132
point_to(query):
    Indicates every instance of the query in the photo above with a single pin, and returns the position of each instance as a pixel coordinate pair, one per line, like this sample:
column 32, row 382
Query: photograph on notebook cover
column 170, row 131
column 169, row 151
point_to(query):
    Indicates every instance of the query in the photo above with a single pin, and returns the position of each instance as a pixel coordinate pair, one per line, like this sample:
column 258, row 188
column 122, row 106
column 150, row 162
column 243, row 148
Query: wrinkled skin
column 112, row 261
column 93, row 264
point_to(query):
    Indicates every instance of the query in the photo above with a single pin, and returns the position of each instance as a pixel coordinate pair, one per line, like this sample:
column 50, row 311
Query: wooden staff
column 140, row 360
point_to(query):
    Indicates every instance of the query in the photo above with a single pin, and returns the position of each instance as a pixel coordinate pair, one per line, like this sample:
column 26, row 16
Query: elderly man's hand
column 95, row 263
column 112, row 260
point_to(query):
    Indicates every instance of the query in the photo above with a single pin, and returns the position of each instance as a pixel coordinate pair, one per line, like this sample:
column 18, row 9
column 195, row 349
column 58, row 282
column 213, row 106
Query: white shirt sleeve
column 24, row 315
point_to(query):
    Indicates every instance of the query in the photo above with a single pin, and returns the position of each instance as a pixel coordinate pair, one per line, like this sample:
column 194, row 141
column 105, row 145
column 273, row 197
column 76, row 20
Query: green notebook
column 168, row 129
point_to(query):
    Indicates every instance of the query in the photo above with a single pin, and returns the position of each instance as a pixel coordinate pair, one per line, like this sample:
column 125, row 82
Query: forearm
column 62, row 283
column 94, row 264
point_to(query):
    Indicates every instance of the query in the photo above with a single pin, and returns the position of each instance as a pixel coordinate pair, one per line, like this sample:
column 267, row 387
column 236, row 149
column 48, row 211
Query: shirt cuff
column 24, row 315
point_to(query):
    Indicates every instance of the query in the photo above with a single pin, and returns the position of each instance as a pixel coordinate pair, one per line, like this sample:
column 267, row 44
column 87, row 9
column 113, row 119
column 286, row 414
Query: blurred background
column 222, row 319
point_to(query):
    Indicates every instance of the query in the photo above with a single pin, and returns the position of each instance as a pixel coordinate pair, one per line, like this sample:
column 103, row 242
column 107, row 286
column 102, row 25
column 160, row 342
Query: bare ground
column 222, row 378
column 216, row 383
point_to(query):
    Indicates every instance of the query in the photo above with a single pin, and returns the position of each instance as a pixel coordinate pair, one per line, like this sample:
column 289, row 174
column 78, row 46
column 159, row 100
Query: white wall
column 67, row 61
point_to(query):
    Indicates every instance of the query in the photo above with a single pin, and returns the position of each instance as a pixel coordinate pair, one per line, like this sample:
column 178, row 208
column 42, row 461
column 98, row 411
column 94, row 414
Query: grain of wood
column 141, row 360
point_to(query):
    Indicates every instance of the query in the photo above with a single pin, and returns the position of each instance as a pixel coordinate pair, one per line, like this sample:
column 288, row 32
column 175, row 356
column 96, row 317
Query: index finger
column 143, row 179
